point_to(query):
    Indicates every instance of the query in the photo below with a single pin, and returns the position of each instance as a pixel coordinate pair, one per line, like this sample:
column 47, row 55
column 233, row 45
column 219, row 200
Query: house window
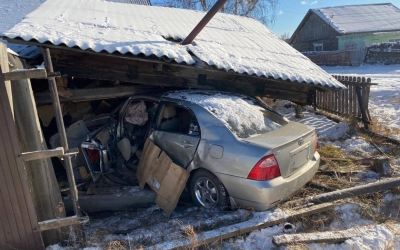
column 351, row 46
column 318, row 46
column 394, row 40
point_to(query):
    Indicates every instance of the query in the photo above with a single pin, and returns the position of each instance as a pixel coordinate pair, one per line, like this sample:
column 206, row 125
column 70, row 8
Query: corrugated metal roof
column 361, row 18
column 13, row 11
column 229, row 42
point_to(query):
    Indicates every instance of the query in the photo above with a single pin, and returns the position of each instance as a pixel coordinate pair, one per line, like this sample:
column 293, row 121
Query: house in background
column 350, row 27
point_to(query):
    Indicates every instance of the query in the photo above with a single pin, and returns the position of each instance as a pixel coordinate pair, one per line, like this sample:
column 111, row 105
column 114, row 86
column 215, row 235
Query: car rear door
column 176, row 132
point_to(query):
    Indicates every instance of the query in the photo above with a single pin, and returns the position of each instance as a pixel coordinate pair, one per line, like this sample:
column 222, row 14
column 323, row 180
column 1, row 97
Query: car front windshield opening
column 256, row 121
column 244, row 116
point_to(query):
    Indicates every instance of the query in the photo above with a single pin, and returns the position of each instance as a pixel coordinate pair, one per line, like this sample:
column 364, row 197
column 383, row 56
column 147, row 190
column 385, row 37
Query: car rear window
column 243, row 115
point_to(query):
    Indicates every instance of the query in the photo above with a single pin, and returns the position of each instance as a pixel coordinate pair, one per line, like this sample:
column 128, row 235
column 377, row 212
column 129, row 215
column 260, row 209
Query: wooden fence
column 350, row 102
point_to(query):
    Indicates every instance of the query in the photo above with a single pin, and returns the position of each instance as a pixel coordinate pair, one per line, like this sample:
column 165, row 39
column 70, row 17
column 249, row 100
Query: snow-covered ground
column 151, row 225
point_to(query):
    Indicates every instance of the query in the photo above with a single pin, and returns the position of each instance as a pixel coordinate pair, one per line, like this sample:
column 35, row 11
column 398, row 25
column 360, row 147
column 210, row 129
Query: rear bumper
column 261, row 195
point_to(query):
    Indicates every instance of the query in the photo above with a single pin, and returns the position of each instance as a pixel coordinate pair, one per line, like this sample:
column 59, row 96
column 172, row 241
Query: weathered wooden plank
column 346, row 100
column 355, row 101
column 62, row 222
column 349, row 192
column 63, row 139
column 114, row 202
column 42, row 154
column 242, row 228
column 5, row 233
column 340, row 102
column 368, row 89
column 127, row 76
column 25, row 74
column 18, row 189
column 319, row 237
column 94, row 94
column 9, row 179
column 3, row 238
column 361, row 109
column 41, row 181
column 351, row 100
column 336, row 102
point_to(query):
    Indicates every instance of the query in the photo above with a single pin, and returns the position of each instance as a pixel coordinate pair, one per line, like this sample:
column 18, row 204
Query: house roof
column 361, row 18
column 141, row 2
column 13, row 11
column 228, row 42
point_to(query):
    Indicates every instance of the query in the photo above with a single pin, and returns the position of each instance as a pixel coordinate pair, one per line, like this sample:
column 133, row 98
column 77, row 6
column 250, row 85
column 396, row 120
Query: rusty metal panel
column 18, row 221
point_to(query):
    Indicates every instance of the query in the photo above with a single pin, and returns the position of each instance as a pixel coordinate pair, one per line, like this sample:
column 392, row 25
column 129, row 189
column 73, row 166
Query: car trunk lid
column 293, row 146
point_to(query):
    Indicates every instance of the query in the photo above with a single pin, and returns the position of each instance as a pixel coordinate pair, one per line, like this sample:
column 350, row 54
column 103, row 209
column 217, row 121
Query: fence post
column 361, row 106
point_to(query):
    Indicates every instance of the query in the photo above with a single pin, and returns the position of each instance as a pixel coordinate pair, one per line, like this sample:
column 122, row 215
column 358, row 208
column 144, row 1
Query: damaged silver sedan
column 239, row 151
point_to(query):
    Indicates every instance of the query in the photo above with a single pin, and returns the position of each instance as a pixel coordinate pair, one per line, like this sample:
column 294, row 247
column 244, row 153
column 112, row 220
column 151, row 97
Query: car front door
column 176, row 131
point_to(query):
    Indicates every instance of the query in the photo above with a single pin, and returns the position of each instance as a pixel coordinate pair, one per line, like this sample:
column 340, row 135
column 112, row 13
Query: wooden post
column 47, row 197
column 5, row 68
column 350, row 98
column 63, row 137
column 340, row 99
column 346, row 100
column 354, row 97
column 361, row 107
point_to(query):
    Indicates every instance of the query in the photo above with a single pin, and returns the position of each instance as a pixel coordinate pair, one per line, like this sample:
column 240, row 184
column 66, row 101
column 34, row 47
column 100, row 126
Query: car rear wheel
column 207, row 190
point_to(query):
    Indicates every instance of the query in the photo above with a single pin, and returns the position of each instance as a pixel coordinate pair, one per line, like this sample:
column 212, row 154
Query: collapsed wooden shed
column 108, row 50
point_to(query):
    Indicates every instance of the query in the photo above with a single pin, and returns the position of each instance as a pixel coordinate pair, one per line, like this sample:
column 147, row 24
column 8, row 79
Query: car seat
column 170, row 121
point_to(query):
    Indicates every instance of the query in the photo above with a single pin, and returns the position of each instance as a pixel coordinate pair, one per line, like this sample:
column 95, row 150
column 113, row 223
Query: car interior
column 177, row 120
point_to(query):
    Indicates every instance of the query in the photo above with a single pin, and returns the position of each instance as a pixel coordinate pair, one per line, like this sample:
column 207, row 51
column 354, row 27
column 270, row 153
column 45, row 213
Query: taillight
column 93, row 154
column 316, row 142
column 266, row 169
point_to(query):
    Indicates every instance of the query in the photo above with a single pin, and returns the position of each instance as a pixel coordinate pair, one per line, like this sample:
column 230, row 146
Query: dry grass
column 383, row 129
column 191, row 235
column 315, row 222
column 115, row 245
column 331, row 151
column 336, row 181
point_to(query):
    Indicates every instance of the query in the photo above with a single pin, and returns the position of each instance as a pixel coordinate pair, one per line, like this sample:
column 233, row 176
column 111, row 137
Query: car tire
column 207, row 190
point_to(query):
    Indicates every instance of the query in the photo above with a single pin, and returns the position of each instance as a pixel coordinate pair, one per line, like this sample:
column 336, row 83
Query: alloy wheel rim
column 206, row 192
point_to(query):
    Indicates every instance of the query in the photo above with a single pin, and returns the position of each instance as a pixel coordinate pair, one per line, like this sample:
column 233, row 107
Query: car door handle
column 186, row 144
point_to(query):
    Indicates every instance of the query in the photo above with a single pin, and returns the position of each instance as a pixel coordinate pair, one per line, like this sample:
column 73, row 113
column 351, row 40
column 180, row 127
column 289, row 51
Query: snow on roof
column 142, row 2
column 13, row 11
column 228, row 42
column 361, row 18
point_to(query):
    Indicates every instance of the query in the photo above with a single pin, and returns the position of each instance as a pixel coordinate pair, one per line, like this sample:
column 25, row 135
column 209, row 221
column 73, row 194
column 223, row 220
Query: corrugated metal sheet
column 361, row 18
column 228, row 42
column 13, row 11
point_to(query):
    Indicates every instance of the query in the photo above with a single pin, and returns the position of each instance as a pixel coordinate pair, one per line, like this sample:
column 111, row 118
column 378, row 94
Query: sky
column 290, row 12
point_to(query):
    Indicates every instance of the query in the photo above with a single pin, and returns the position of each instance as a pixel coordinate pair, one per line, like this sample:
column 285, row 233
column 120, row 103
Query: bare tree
column 285, row 36
column 262, row 10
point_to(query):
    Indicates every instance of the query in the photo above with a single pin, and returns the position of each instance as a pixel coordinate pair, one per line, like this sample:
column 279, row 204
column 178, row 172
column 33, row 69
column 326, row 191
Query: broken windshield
column 243, row 115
